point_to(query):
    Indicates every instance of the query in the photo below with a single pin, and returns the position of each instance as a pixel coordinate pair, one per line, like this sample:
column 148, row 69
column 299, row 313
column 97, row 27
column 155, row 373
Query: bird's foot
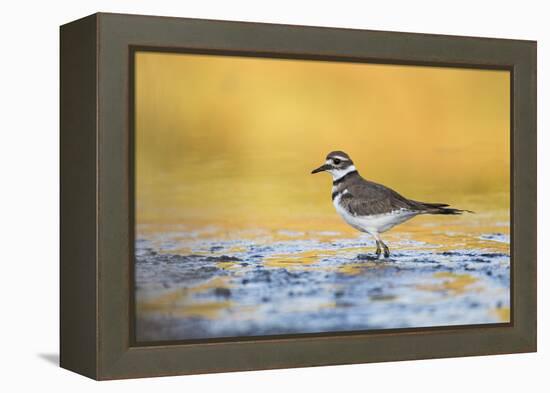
column 386, row 251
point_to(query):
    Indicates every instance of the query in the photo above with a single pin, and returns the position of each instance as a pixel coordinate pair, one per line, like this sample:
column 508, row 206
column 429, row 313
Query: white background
column 29, row 194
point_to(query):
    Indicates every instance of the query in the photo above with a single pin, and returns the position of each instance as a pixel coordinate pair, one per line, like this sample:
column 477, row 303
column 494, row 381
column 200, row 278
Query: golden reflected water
column 235, row 139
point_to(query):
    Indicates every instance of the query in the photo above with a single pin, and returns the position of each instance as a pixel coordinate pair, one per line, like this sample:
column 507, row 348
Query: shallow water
column 204, row 281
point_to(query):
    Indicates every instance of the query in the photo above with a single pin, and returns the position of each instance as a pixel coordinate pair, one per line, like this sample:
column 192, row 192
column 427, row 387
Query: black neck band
column 340, row 180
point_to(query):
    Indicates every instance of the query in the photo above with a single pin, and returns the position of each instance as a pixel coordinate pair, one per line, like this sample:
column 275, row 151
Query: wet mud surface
column 196, row 284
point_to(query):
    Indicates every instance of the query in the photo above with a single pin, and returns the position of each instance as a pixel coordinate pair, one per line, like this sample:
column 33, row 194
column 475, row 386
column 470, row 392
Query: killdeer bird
column 371, row 207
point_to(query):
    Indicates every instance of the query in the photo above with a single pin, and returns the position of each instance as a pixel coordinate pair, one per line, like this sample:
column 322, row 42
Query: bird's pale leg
column 379, row 243
column 378, row 250
column 386, row 249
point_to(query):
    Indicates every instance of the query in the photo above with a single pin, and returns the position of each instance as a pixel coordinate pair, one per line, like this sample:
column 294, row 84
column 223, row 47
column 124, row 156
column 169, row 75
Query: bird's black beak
column 322, row 168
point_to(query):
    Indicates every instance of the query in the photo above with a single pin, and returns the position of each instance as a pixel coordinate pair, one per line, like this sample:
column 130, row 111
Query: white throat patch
column 340, row 173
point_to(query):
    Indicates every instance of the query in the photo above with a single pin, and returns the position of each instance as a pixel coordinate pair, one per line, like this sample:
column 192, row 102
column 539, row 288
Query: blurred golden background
column 233, row 139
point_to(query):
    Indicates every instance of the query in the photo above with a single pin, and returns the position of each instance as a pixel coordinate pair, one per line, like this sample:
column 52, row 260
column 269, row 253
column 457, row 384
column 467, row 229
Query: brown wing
column 367, row 198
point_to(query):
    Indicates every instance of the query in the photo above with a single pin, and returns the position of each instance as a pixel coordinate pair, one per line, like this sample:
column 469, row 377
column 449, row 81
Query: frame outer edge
column 525, row 187
column 78, row 197
column 118, row 359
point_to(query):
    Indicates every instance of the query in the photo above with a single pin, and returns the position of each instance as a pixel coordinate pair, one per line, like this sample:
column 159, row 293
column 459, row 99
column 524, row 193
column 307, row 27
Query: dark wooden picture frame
column 97, row 199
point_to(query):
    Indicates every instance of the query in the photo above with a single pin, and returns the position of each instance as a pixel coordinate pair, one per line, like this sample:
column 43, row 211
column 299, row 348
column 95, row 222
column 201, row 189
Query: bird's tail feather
column 442, row 208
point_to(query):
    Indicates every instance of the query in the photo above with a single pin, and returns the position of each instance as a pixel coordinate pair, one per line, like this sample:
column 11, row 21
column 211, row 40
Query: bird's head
column 338, row 164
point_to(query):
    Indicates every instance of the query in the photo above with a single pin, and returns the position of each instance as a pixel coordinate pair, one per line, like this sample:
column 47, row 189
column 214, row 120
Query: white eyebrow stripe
column 340, row 158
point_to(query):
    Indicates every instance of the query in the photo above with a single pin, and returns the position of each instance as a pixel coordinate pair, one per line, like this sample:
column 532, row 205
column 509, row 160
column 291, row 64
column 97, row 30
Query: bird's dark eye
column 336, row 161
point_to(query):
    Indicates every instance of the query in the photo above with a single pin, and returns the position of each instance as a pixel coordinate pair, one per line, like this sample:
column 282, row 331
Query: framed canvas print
column 241, row 196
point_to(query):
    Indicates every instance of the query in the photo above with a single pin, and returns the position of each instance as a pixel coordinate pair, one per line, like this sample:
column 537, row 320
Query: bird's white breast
column 372, row 224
